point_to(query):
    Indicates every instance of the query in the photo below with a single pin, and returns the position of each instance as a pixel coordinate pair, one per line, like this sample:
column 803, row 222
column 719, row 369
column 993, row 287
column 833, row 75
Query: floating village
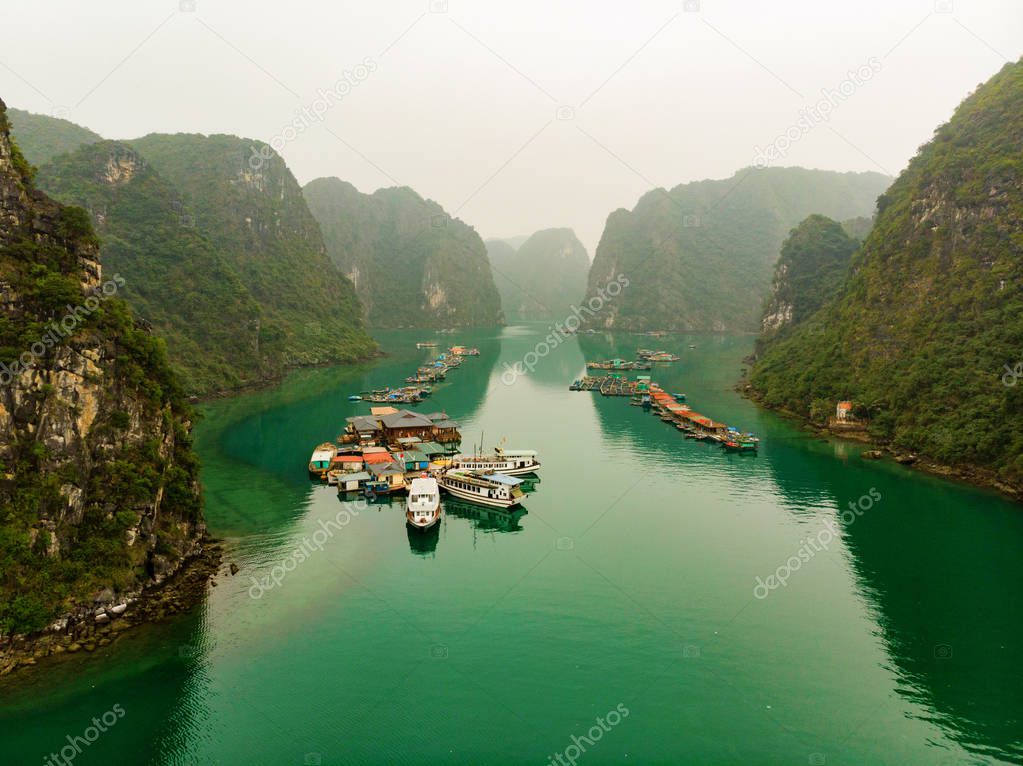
column 392, row 450
column 671, row 408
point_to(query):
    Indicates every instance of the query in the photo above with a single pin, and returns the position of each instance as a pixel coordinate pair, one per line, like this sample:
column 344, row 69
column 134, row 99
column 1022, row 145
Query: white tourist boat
column 422, row 507
column 510, row 462
column 494, row 489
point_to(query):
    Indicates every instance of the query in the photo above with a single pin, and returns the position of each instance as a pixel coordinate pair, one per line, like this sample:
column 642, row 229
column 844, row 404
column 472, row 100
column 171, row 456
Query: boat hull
column 490, row 502
column 420, row 523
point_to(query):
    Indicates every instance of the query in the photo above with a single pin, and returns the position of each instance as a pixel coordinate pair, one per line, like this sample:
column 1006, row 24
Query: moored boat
column 740, row 445
column 507, row 462
column 493, row 489
column 422, row 508
column 319, row 462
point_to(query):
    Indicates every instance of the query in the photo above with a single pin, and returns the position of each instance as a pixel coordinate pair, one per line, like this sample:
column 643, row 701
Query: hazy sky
column 517, row 116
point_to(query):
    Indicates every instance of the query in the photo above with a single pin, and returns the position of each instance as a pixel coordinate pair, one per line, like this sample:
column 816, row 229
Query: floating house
column 347, row 463
column 391, row 472
column 400, row 428
column 413, row 460
column 405, row 424
column 352, row 482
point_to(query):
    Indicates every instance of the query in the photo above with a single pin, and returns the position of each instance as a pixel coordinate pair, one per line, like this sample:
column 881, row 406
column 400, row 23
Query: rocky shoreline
column 974, row 475
column 88, row 628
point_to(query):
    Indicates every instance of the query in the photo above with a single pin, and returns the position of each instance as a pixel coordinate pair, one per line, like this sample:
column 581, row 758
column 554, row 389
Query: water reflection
column 423, row 542
column 942, row 585
column 551, row 364
column 484, row 518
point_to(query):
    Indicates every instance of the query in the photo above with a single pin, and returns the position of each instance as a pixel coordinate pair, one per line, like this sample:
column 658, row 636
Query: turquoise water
column 626, row 586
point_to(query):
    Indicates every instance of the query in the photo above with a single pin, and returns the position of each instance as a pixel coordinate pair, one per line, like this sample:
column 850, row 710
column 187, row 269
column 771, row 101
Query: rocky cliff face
column 412, row 264
column 700, row 256
column 99, row 492
column 212, row 328
column 924, row 331
column 811, row 268
column 242, row 197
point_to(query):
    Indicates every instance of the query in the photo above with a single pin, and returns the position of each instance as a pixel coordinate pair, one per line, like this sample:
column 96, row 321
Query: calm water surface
column 628, row 585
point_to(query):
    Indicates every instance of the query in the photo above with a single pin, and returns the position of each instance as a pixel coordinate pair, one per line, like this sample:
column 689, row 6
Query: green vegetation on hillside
column 41, row 137
column 243, row 199
column 701, row 256
column 55, row 554
column 412, row 264
column 932, row 313
column 174, row 277
column 543, row 278
column 813, row 263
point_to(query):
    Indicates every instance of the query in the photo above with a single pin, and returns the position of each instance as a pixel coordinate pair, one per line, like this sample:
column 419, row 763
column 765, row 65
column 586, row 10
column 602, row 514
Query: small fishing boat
column 741, row 446
column 422, row 508
column 679, row 397
column 319, row 462
column 427, row 344
column 507, row 462
column 355, row 398
column 662, row 356
column 576, row 386
column 494, row 489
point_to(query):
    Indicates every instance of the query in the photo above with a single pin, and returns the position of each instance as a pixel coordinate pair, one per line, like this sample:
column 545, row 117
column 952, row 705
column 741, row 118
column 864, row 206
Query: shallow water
column 628, row 585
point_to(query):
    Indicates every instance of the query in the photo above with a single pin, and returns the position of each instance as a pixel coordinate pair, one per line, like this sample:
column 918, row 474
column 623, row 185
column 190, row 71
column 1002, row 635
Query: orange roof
column 845, row 405
column 348, row 459
column 377, row 457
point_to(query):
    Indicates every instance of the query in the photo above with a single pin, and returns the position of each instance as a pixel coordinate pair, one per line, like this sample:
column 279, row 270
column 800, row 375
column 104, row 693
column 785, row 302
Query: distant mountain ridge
column 701, row 255
column 412, row 264
column 543, row 278
column 41, row 137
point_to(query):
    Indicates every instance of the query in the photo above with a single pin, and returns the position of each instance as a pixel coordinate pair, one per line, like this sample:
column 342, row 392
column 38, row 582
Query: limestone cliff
column 412, row 264
column 99, row 492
